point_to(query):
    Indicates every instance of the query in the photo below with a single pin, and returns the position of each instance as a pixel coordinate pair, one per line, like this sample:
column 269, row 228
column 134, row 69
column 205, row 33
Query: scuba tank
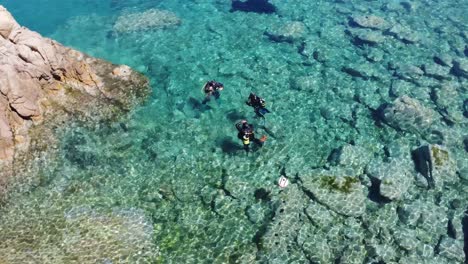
column 246, row 140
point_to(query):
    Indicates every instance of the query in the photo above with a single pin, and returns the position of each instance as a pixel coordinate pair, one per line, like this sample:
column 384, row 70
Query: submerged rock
column 289, row 32
column 409, row 115
column 370, row 21
column 404, row 34
column 434, row 162
column 342, row 193
column 306, row 83
column 394, row 177
column 44, row 84
column 437, row 71
column 147, row 20
column 452, row 249
column 409, row 72
column 363, row 36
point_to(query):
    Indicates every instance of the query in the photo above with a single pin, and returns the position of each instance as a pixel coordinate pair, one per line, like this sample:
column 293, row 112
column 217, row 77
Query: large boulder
column 394, row 178
column 342, row 193
column 148, row 20
column 289, row 32
column 435, row 163
column 452, row 249
column 404, row 34
column 408, row 114
column 367, row 36
column 7, row 23
column 370, row 21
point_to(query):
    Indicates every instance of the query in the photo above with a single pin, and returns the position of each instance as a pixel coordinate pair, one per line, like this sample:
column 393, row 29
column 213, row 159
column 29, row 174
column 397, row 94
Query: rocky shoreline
column 45, row 85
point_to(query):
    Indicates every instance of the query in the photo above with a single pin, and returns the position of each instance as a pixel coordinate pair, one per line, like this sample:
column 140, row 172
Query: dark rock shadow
column 378, row 115
column 228, row 146
column 194, row 103
column 256, row 6
column 423, row 164
column 374, row 192
column 262, row 194
column 234, row 116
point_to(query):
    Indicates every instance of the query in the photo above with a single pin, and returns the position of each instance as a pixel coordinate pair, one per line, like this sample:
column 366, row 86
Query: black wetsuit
column 247, row 135
column 212, row 88
column 258, row 104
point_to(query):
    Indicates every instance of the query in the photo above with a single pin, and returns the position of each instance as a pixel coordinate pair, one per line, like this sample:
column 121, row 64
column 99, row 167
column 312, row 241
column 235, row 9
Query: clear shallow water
column 172, row 184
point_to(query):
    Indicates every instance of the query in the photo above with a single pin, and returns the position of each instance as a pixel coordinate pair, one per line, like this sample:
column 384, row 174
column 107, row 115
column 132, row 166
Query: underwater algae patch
column 51, row 233
column 343, row 185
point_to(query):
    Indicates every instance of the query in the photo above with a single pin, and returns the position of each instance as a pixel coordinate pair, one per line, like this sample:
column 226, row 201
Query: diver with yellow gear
column 247, row 135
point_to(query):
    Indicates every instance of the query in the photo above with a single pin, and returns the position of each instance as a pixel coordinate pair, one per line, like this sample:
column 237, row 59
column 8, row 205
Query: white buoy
column 283, row 182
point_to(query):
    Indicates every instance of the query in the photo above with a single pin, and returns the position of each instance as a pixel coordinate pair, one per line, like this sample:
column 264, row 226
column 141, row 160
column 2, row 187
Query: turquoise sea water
column 172, row 184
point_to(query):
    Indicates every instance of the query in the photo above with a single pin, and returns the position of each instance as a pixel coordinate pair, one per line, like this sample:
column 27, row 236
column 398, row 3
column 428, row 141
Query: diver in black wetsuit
column 247, row 134
column 258, row 105
column 212, row 88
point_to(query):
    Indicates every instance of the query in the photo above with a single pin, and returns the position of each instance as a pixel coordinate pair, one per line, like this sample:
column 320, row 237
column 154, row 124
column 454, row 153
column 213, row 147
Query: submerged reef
column 147, row 20
column 368, row 122
column 45, row 85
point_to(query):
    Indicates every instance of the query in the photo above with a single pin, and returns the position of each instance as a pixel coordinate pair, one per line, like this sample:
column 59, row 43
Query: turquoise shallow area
column 172, row 184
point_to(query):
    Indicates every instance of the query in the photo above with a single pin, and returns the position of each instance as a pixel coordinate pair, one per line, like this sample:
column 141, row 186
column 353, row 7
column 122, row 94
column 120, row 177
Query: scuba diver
column 212, row 88
column 247, row 134
column 258, row 104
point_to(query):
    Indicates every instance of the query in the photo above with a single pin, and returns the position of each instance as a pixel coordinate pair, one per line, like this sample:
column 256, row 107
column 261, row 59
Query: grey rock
column 420, row 181
column 306, row 83
column 404, row 34
column 408, row 114
column 288, row 32
column 370, row 21
column 367, row 36
column 444, row 167
column 395, row 178
column 257, row 213
column 319, row 215
column 437, row 71
column 353, row 254
column 375, row 55
column 284, row 228
column 382, row 252
column 401, row 87
column 452, row 249
column 447, row 98
column 406, row 238
column 340, row 192
column 425, row 251
column 434, row 221
column 148, row 20
column 409, row 72
column 409, row 214
column 353, row 156
column 315, row 246
column 463, row 170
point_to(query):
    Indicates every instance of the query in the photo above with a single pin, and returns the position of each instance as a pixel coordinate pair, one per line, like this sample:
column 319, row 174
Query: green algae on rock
column 342, row 193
